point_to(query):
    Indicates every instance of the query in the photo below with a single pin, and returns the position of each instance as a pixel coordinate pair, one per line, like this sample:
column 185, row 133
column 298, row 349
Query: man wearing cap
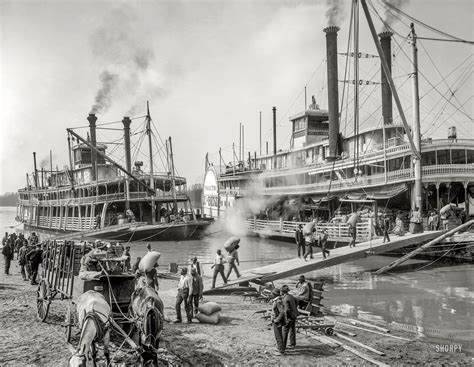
column 195, row 291
column 303, row 292
column 8, row 253
column 128, row 260
column 299, row 239
column 291, row 311
column 36, row 258
column 278, row 320
column 183, row 294
column 323, row 241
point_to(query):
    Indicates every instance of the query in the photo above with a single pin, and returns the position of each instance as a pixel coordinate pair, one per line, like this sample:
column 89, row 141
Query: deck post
column 437, row 195
column 281, row 225
column 466, row 198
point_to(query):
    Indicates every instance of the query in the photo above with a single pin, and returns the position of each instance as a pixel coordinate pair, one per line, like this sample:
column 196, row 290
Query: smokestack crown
column 331, row 29
column 126, row 121
column 92, row 118
column 385, row 34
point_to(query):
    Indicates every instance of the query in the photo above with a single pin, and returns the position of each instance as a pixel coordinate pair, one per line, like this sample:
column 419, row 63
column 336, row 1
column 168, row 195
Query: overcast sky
column 205, row 66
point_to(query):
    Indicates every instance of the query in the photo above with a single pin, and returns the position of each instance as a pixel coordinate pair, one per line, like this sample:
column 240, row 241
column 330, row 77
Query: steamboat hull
column 133, row 233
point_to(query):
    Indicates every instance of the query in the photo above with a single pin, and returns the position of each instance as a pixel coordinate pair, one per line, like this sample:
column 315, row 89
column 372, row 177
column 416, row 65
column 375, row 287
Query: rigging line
column 160, row 155
column 461, row 80
column 439, row 73
column 445, row 40
column 430, row 83
column 420, row 22
column 456, row 68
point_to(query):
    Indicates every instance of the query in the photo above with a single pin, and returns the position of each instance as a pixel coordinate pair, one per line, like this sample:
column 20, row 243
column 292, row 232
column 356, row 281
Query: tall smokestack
column 92, row 120
column 274, row 135
column 333, row 92
column 386, row 43
column 36, row 170
column 126, row 135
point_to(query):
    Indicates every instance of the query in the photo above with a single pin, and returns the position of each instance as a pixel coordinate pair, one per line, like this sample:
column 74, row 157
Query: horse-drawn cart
column 72, row 270
column 61, row 278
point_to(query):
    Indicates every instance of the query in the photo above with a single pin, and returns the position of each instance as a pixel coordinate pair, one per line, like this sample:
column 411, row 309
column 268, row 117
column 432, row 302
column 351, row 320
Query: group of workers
column 306, row 242
column 28, row 253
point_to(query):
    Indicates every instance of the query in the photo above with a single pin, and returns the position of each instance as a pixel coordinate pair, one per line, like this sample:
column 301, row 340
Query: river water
column 435, row 303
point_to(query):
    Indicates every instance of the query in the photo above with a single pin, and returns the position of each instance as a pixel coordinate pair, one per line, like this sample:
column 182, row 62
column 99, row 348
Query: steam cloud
column 127, row 57
column 335, row 12
column 390, row 19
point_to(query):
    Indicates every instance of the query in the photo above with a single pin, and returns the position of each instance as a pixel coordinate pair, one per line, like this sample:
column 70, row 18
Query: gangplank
column 297, row 266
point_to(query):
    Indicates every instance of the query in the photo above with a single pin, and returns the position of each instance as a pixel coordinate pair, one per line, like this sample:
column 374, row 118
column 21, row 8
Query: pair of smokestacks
column 333, row 93
column 126, row 128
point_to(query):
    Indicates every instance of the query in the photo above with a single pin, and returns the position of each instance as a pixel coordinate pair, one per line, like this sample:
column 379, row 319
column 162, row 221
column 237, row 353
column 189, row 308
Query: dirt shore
column 241, row 337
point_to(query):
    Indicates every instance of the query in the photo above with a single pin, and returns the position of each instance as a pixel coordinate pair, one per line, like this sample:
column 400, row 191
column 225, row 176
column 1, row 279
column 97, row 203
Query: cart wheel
column 69, row 321
column 43, row 300
column 329, row 331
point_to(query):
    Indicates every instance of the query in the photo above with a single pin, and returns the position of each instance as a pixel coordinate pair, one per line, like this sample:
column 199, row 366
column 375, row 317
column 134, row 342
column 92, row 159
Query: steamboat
column 96, row 197
column 325, row 173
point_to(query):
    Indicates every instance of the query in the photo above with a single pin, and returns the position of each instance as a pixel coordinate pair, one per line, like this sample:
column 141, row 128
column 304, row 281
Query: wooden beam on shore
column 425, row 246
column 373, row 331
column 360, row 344
column 355, row 322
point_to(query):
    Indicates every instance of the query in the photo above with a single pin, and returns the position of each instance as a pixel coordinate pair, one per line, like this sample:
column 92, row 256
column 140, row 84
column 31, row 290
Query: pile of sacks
column 209, row 313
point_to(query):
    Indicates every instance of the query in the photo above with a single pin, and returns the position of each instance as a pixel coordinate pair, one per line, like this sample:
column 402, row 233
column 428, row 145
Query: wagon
column 60, row 280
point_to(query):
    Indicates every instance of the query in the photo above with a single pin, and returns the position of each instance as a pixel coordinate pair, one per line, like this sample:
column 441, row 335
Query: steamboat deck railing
column 336, row 231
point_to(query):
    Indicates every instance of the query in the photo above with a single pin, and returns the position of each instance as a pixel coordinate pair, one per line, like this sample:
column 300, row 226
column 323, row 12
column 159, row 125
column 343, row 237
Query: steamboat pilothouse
column 96, row 197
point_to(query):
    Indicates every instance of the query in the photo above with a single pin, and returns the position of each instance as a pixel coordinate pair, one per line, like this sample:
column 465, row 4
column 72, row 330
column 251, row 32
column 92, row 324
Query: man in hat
column 128, row 260
column 323, row 241
column 303, row 292
column 291, row 311
column 22, row 260
column 33, row 239
column 36, row 258
column 183, row 294
column 148, row 247
column 278, row 320
column 195, row 290
column 218, row 267
column 194, row 264
column 309, row 240
column 299, row 239
column 233, row 258
column 8, row 252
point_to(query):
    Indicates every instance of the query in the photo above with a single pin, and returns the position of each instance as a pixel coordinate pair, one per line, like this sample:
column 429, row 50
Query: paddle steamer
column 96, row 197
column 324, row 170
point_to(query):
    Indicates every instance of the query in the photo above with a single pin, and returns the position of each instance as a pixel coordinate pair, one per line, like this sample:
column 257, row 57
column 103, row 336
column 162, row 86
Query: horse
column 147, row 307
column 94, row 314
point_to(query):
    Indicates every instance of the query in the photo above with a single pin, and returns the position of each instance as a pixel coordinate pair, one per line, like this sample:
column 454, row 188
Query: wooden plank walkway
column 297, row 266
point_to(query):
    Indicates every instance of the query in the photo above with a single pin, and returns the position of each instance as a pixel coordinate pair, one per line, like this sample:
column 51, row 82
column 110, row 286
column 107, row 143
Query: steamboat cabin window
column 428, row 159
column 458, row 156
column 470, row 156
column 443, row 156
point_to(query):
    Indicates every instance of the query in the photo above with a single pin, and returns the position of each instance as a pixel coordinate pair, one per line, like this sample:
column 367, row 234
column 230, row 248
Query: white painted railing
column 336, row 231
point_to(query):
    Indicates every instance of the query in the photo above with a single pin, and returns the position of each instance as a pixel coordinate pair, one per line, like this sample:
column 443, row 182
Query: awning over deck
column 382, row 193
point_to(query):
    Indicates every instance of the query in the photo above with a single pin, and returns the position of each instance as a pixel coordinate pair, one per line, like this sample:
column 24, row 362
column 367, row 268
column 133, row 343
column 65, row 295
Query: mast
column 173, row 181
column 233, row 158
column 36, row 170
column 70, row 151
column 416, row 193
column 356, row 88
column 260, row 133
column 150, row 149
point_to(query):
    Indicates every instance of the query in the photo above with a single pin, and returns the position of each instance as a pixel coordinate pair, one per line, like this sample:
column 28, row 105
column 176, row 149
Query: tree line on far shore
column 9, row 199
